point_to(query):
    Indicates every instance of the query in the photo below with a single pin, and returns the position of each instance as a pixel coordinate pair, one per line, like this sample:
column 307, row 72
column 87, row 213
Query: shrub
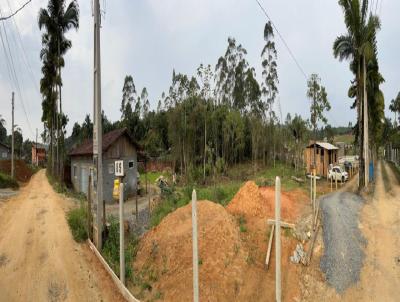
column 77, row 220
column 111, row 249
column 7, row 182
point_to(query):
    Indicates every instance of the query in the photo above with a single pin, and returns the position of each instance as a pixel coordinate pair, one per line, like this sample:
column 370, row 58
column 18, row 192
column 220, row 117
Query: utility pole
column 365, row 119
column 36, row 155
column 12, row 136
column 97, row 133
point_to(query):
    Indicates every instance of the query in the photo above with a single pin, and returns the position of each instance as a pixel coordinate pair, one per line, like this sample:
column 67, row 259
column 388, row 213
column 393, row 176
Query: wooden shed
column 325, row 155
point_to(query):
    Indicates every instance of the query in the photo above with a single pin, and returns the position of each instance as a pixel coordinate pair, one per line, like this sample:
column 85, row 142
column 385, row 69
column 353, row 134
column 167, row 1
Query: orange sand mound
column 252, row 200
column 164, row 256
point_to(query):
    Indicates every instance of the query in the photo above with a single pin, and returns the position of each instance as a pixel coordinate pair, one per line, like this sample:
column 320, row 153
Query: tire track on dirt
column 39, row 260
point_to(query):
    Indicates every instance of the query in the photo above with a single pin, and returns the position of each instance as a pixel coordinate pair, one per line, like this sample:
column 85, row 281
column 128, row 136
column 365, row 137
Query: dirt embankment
column 232, row 258
column 22, row 172
column 254, row 201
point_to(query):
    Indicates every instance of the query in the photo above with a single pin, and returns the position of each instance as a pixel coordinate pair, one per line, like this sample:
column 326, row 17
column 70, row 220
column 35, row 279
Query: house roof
column 324, row 145
column 4, row 145
column 86, row 148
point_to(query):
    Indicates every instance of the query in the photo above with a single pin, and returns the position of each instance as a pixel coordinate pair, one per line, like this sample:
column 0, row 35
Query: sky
column 149, row 38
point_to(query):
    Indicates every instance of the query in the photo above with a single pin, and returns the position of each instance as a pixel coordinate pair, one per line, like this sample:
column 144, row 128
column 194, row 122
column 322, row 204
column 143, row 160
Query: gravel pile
column 343, row 253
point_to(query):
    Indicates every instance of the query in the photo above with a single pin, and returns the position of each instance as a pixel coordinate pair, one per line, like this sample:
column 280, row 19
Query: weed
column 242, row 224
column 77, row 221
column 8, row 182
column 110, row 249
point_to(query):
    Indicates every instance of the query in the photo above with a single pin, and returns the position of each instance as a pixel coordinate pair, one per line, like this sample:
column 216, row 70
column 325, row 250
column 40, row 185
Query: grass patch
column 110, row 249
column 7, row 182
column 63, row 189
column 179, row 197
column 152, row 176
column 77, row 221
column 285, row 172
column 242, row 224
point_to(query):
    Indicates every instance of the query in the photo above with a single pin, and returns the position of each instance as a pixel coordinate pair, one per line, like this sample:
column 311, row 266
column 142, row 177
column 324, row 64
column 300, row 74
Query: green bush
column 77, row 220
column 111, row 249
column 7, row 182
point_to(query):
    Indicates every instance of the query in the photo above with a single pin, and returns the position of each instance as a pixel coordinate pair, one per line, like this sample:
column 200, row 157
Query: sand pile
column 164, row 257
column 252, row 200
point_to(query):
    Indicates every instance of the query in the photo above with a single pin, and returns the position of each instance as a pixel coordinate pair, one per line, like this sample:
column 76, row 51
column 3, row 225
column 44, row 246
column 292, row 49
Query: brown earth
column 232, row 261
column 165, row 255
column 39, row 260
column 22, row 172
column 254, row 201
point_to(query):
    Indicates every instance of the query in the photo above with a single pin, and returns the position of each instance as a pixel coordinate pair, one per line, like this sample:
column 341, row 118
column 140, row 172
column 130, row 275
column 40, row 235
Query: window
column 74, row 171
column 111, row 168
column 4, row 155
column 130, row 164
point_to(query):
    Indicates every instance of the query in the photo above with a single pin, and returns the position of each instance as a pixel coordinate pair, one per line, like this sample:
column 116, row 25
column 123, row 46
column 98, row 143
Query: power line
column 13, row 14
column 16, row 82
column 283, row 40
column 25, row 57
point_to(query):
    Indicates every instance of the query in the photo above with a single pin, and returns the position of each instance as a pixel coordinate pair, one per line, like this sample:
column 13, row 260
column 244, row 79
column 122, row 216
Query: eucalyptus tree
column 269, row 85
column 357, row 45
column 230, row 76
column 319, row 103
column 128, row 95
column 205, row 77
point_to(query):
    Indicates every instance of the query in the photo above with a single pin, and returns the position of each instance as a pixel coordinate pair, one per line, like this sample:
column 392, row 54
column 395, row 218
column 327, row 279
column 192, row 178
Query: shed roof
column 4, row 145
column 324, row 145
column 86, row 148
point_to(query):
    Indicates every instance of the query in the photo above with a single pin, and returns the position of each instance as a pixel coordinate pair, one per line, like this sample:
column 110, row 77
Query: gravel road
column 343, row 240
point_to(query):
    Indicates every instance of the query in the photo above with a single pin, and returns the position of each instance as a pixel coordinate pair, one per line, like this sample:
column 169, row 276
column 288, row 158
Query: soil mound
column 22, row 172
column 252, row 200
column 164, row 257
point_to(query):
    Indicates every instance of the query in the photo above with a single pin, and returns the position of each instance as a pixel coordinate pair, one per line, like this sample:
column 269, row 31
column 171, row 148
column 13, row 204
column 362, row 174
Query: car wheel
column 343, row 179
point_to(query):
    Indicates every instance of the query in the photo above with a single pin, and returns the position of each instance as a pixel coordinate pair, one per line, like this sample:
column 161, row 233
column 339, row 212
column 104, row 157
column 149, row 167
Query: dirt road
column 380, row 276
column 39, row 260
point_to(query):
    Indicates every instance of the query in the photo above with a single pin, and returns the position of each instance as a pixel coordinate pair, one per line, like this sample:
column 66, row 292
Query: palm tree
column 57, row 19
column 358, row 45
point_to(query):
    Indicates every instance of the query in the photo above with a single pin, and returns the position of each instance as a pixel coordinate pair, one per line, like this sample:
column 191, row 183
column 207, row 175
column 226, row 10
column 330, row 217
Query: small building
column 5, row 151
column 325, row 155
column 117, row 145
column 38, row 154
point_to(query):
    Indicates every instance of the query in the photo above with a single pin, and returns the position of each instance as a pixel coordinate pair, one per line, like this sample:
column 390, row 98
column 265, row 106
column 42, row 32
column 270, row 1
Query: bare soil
column 22, row 172
column 39, row 260
column 232, row 250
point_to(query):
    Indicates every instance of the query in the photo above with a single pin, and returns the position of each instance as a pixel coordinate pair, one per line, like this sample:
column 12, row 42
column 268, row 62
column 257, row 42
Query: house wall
column 4, row 153
column 323, row 158
column 122, row 149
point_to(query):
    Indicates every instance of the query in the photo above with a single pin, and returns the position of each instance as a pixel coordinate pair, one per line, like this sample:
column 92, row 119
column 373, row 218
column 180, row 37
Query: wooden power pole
column 12, row 136
column 97, row 129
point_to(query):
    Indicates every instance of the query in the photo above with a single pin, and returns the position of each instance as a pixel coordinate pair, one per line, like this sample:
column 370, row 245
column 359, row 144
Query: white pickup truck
column 337, row 173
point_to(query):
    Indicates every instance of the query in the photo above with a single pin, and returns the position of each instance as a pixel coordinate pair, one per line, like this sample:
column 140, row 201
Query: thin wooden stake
column 271, row 236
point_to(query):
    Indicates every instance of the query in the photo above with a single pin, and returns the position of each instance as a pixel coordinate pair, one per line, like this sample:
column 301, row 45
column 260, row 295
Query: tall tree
column 128, row 94
column 57, row 20
column 319, row 103
column 395, row 107
column 357, row 46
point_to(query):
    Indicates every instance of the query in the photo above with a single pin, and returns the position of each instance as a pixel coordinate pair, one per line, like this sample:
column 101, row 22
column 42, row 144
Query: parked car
column 336, row 173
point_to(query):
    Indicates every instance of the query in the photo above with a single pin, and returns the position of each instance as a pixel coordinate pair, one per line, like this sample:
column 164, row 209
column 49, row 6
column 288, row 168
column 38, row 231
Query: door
column 84, row 180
